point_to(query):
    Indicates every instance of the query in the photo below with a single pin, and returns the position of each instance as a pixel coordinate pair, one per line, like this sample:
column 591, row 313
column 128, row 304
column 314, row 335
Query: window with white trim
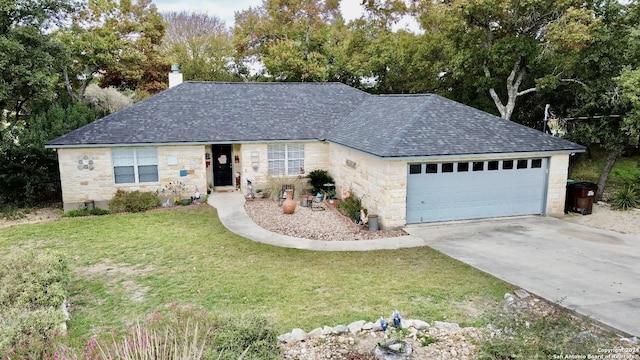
column 285, row 159
column 132, row 166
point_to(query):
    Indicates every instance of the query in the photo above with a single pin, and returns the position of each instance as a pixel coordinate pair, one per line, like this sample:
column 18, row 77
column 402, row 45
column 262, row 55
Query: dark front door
column 222, row 165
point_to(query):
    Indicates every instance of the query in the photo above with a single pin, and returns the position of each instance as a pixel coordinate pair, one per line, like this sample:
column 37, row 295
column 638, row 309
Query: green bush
column 350, row 207
column 317, row 179
column 86, row 212
column 134, row 201
column 625, row 199
column 32, row 290
column 235, row 336
column 33, row 280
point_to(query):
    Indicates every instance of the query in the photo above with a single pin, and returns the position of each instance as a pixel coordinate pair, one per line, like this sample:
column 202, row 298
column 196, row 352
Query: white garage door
column 476, row 189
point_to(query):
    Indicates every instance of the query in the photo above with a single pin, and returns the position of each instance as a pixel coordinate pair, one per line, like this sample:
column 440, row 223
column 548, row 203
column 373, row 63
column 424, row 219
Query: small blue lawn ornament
column 397, row 320
column 383, row 324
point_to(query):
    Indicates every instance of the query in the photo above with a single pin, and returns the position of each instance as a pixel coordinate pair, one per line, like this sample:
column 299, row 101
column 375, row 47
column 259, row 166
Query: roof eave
column 225, row 142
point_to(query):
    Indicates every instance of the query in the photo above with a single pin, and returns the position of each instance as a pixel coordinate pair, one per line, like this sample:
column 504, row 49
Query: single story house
column 411, row 158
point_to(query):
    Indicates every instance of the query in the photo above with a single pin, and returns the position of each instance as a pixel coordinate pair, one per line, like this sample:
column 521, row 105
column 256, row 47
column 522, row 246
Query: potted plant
column 331, row 197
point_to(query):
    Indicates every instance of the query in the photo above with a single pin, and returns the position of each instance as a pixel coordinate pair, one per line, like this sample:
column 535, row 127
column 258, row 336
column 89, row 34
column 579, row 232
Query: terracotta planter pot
column 289, row 205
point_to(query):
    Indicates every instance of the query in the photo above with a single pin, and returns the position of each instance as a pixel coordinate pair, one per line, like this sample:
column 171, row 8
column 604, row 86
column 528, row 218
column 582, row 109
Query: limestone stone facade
column 95, row 181
column 380, row 183
column 557, row 183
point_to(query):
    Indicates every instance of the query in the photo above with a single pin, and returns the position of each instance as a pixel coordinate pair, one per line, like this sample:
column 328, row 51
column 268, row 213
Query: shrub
column 273, row 189
column 251, row 336
column 86, row 212
column 350, row 206
column 29, row 334
column 317, row 179
column 187, row 333
column 523, row 334
column 34, row 280
column 32, row 290
column 11, row 212
column 625, row 199
column 134, row 201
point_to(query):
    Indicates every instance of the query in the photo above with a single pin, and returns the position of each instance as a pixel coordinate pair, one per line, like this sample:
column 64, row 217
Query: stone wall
column 254, row 163
column 557, row 187
column 96, row 182
column 380, row 184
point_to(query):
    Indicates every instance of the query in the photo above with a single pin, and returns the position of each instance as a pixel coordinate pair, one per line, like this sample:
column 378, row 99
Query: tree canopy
column 201, row 45
column 508, row 57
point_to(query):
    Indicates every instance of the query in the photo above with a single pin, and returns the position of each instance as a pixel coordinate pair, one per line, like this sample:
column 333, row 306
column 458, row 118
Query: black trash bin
column 582, row 195
column 568, row 199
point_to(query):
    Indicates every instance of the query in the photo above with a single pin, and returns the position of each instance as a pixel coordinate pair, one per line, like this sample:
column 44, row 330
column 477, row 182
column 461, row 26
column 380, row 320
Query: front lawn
column 126, row 266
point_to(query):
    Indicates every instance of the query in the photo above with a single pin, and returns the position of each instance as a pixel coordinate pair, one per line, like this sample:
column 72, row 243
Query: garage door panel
column 476, row 194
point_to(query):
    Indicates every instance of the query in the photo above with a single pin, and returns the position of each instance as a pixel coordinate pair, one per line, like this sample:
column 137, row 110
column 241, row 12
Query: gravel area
column 328, row 224
column 604, row 217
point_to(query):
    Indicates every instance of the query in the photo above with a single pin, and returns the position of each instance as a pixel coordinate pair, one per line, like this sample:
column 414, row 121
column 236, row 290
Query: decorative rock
column 377, row 326
column 368, row 326
column 298, row 335
column 340, row 329
column 286, row 338
column 317, row 332
column 509, row 299
column 356, row 326
column 446, row 325
column 420, row 325
column 392, row 350
column 326, row 330
column 522, row 294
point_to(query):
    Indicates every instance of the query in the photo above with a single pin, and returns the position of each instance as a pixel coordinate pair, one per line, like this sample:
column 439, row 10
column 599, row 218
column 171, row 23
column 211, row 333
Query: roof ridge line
column 400, row 134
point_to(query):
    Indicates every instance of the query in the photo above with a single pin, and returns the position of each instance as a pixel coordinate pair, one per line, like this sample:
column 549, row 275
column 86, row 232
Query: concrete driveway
column 594, row 272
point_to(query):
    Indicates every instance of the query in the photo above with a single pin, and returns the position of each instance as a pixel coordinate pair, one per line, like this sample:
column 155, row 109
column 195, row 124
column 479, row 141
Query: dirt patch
column 604, row 217
column 32, row 217
column 113, row 274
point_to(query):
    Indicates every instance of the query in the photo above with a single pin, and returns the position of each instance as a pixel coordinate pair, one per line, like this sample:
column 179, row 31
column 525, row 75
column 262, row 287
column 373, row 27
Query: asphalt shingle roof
column 194, row 112
column 418, row 125
column 383, row 125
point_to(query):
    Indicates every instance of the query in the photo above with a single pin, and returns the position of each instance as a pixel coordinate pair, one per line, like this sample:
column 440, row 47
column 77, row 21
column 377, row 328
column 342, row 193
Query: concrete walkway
column 594, row 272
column 230, row 206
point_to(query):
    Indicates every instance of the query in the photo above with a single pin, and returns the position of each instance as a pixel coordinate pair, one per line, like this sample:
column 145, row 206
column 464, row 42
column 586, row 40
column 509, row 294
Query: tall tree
column 605, row 107
column 28, row 54
column 289, row 36
column 504, row 45
column 201, row 44
column 29, row 173
column 120, row 40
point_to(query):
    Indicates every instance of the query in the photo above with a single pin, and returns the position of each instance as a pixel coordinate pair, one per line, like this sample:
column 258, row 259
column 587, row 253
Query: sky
column 225, row 9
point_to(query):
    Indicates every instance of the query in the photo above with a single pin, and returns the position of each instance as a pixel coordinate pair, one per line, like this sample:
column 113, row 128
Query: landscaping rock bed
column 439, row 340
column 326, row 224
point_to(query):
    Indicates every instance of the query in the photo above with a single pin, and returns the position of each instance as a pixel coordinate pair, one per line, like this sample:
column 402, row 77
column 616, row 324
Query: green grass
column 625, row 172
column 126, row 266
